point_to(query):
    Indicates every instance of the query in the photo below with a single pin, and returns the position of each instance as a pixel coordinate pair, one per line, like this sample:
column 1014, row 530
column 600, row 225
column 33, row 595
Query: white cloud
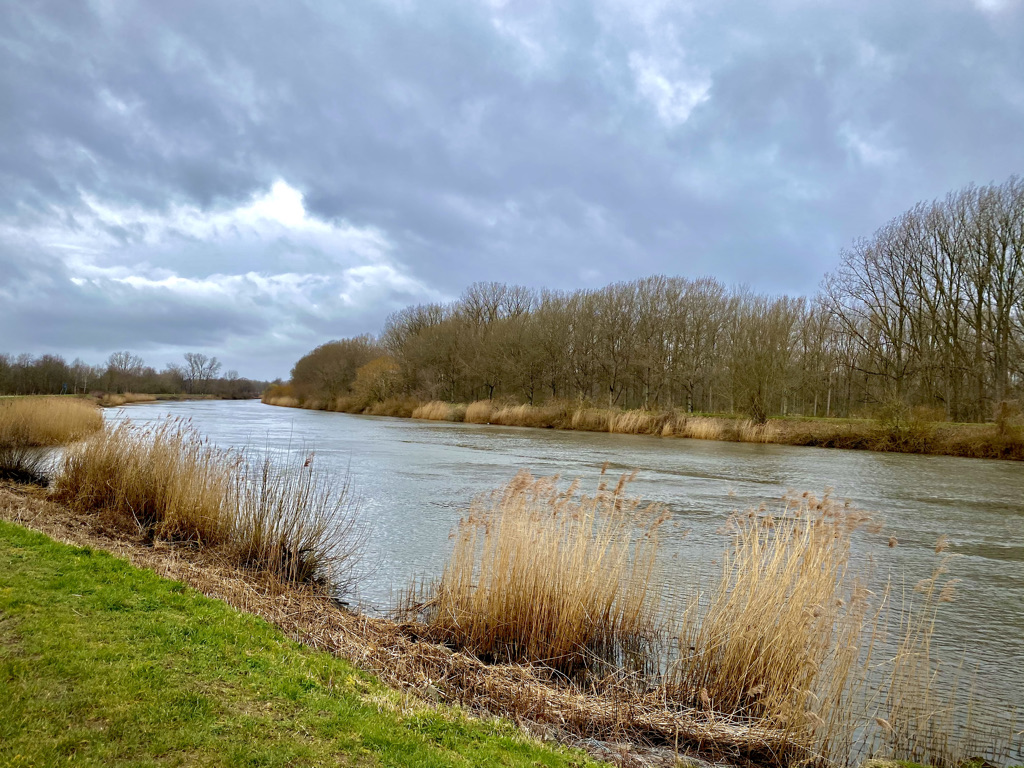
column 674, row 97
column 869, row 147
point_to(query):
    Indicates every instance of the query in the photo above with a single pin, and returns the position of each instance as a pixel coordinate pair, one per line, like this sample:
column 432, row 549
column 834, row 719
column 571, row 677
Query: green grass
column 103, row 664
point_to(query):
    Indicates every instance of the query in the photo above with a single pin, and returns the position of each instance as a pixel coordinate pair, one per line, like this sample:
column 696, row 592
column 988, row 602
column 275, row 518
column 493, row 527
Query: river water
column 414, row 479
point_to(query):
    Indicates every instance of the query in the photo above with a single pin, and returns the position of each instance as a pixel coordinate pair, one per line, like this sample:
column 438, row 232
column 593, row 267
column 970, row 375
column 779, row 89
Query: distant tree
column 121, row 368
column 198, row 371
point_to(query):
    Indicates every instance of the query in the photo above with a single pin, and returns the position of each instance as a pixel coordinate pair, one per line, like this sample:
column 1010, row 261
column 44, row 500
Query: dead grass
column 701, row 428
column 550, row 576
column 777, row 640
column 479, row 412
column 29, row 426
column 297, row 523
column 637, row 423
column 748, row 431
column 168, row 483
column 166, row 480
column 438, row 410
column 283, row 401
column 928, row 716
column 591, row 420
column 47, row 421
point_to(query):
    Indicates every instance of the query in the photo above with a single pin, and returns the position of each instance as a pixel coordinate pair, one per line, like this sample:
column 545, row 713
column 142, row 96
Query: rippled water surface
column 415, row 479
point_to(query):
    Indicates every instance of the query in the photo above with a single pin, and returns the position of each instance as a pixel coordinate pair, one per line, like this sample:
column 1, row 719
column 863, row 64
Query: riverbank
column 900, row 433
column 104, row 663
column 626, row 730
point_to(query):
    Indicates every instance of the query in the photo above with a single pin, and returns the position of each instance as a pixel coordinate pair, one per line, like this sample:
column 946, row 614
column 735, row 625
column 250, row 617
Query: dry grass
column 283, row 401
column 165, row 480
column 47, row 421
column 31, row 425
column 927, row 716
column 591, row 420
column 168, row 483
column 298, row 523
column 552, row 576
column 479, row 412
column 748, row 431
column 701, row 428
column 777, row 641
column 438, row 410
column 393, row 406
column 637, row 423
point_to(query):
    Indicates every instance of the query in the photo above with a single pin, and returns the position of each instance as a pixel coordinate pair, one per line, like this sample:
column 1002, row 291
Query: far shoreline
column 962, row 440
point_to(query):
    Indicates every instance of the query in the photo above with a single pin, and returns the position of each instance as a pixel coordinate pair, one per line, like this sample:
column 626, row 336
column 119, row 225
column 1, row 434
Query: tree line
column 122, row 372
column 928, row 312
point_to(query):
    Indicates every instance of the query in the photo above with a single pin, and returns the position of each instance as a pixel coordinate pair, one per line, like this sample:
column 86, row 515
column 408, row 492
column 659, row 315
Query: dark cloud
column 560, row 144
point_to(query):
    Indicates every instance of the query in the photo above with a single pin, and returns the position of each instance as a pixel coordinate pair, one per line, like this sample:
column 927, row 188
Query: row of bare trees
column 927, row 312
column 123, row 371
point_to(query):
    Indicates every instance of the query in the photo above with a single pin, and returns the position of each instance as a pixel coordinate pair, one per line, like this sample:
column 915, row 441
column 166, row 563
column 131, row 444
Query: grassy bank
column 105, row 664
column 899, row 432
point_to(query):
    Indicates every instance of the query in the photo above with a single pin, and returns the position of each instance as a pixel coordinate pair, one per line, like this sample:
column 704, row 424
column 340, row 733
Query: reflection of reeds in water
column 540, row 574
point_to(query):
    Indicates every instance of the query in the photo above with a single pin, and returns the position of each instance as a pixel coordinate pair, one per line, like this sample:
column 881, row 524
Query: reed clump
column 778, row 640
column 591, row 420
column 547, row 575
column 299, row 523
column 167, row 482
column 47, row 421
column 701, row 428
column 438, row 410
column 638, row 422
column 31, row 425
column 924, row 710
column 479, row 412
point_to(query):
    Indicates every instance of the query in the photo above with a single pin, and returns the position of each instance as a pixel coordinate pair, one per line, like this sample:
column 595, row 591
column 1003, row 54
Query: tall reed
column 297, row 522
column 926, row 716
column 438, row 410
column 30, row 425
column 542, row 574
column 479, row 412
column 47, row 421
column 168, row 482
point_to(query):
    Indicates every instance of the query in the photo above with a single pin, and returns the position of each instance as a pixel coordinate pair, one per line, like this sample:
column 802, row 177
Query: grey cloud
column 482, row 143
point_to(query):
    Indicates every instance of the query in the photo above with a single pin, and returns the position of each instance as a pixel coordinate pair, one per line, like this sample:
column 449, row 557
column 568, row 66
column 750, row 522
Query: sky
column 250, row 180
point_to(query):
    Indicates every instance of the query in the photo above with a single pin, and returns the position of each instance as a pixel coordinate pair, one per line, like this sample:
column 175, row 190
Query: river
column 414, row 479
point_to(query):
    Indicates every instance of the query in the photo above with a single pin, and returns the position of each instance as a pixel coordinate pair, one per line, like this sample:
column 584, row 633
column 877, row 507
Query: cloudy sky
column 252, row 179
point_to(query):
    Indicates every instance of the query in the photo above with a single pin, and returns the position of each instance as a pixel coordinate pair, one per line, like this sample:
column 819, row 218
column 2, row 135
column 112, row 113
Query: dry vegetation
column 782, row 644
column 540, row 574
column 549, row 604
column 908, row 432
column 168, row 483
column 31, row 425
